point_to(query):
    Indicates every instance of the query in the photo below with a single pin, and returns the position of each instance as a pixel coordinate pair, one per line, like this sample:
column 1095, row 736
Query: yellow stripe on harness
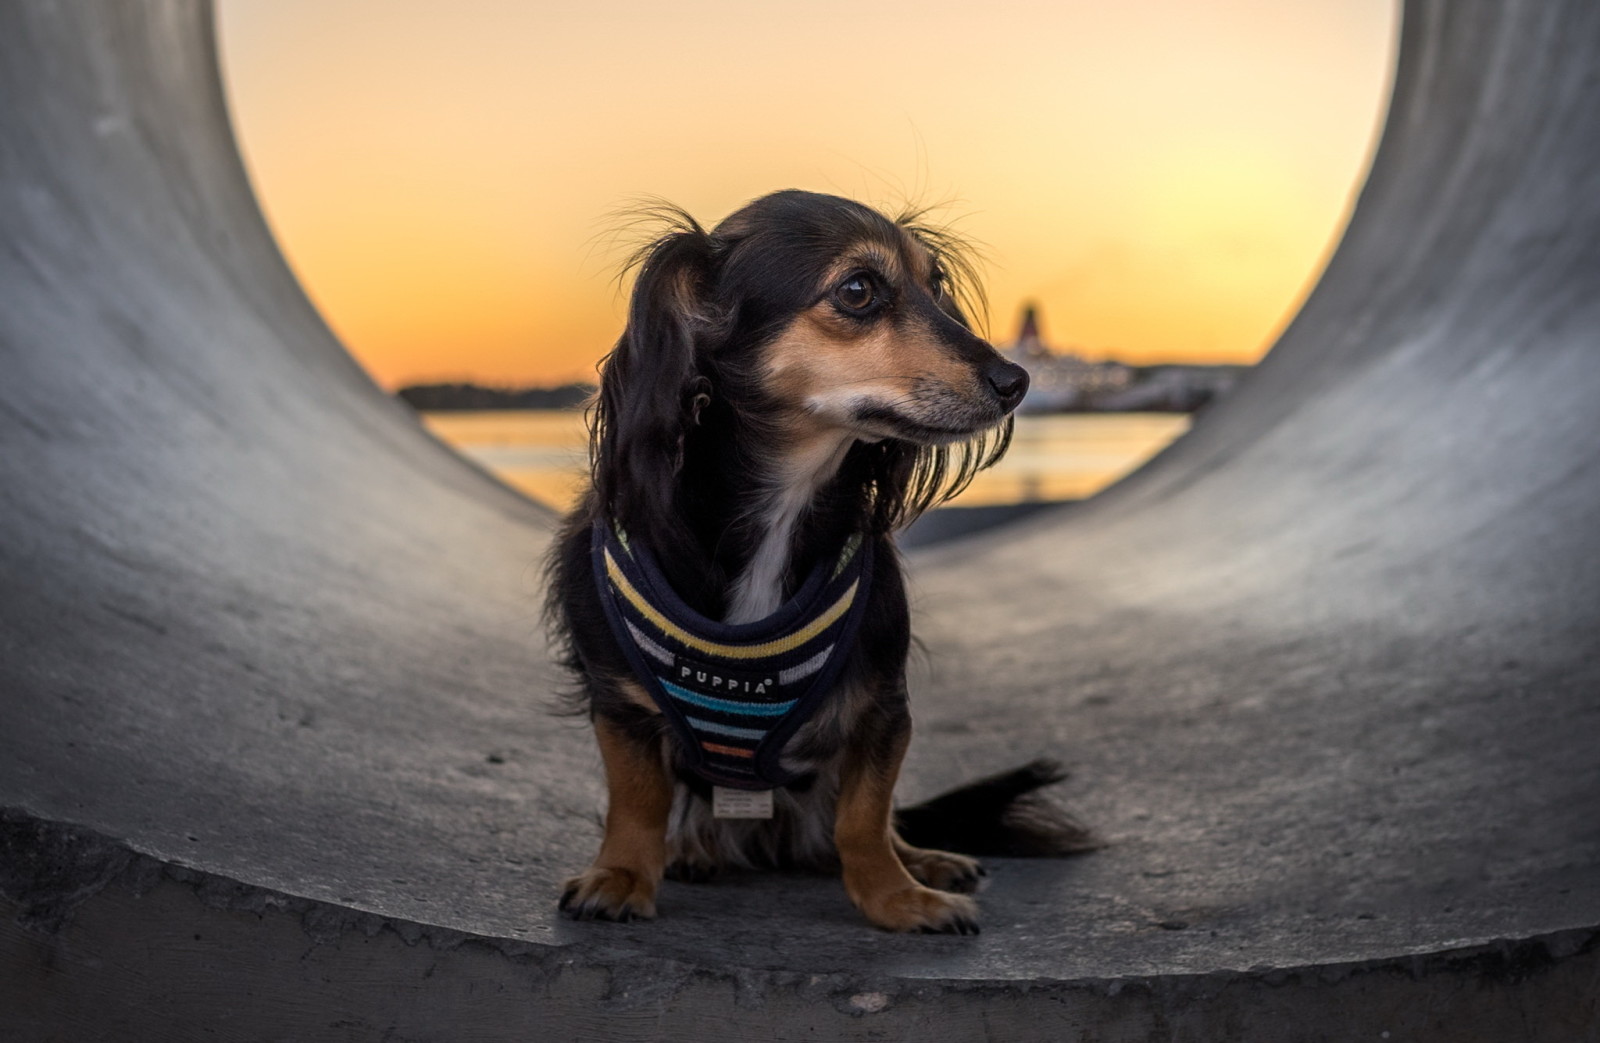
column 672, row 630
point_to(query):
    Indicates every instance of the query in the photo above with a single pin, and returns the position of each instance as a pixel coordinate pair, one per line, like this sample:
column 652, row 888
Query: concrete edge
column 91, row 924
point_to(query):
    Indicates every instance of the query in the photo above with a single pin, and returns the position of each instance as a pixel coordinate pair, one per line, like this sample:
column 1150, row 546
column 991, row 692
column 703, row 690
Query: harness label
column 740, row 803
column 716, row 680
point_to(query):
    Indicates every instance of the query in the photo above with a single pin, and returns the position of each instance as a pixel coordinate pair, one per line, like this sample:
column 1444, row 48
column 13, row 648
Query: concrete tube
column 274, row 761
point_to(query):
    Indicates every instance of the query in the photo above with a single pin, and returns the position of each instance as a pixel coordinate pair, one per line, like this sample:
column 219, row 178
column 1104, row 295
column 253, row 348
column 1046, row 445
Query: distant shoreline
column 447, row 398
column 1172, row 388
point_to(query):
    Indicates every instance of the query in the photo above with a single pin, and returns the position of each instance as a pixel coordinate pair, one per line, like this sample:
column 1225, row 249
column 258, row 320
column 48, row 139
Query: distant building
column 1061, row 380
column 1029, row 346
column 1172, row 389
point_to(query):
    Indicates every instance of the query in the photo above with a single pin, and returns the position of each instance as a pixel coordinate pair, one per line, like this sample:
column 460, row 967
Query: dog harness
column 734, row 693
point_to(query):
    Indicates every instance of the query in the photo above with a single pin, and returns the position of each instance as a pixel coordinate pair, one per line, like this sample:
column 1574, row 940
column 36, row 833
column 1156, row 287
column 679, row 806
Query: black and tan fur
column 801, row 372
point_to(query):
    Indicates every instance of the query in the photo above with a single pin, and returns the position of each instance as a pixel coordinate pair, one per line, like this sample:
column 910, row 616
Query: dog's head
column 808, row 316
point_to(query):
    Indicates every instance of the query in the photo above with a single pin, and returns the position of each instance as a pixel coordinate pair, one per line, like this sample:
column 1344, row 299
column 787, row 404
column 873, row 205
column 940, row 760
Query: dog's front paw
column 919, row 908
column 943, row 870
column 609, row 894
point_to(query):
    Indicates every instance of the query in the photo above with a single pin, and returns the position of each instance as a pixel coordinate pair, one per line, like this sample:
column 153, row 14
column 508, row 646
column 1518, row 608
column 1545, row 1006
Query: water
column 1059, row 457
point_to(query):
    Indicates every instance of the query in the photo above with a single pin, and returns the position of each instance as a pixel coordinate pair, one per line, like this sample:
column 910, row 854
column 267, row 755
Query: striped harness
column 734, row 693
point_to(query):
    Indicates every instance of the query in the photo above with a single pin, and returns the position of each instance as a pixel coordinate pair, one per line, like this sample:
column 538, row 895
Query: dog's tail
column 1002, row 814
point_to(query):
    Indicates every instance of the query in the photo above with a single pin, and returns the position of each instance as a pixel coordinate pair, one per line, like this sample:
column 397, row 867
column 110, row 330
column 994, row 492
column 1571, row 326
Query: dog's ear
column 651, row 388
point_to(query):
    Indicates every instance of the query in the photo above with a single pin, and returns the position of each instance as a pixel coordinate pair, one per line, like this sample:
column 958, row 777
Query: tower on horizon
column 1029, row 344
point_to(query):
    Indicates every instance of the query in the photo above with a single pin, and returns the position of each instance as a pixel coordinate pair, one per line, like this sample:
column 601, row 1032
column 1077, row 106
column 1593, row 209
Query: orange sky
column 1162, row 176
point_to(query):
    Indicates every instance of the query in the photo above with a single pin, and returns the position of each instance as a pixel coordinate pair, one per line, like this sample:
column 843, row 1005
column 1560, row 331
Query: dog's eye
column 857, row 293
column 936, row 282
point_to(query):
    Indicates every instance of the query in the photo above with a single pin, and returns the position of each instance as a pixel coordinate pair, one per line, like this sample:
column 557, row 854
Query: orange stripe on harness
column 730, row 751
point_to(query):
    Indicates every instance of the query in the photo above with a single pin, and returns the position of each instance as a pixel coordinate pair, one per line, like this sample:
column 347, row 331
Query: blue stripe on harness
column 727, row 705
column 725, row 730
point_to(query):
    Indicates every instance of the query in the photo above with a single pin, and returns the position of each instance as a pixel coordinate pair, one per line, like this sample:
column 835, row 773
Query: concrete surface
column 273, row 754
column 943, row 524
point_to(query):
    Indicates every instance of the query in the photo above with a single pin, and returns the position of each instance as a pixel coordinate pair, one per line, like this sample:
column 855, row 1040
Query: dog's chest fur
column 797, row 477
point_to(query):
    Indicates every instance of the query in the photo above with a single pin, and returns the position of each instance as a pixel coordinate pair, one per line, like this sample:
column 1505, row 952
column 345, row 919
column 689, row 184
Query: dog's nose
column 1009, row 380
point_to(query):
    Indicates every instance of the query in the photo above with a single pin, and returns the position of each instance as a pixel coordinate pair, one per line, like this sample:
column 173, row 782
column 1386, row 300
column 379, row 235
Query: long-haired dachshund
column 792, row 387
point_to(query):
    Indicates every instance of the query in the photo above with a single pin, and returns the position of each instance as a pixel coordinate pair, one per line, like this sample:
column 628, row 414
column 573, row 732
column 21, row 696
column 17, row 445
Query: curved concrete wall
column 272, row 677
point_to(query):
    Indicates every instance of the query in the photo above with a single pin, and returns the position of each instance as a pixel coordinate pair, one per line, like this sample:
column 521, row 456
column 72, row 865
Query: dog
column 791, row 388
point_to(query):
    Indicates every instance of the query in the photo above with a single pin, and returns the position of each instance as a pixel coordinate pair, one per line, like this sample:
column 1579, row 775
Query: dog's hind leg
column 621, row 884
column 874, row 875
column 943, row 870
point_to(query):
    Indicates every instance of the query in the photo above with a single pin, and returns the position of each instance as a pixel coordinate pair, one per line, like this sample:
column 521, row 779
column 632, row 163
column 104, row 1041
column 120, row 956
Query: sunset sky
column 1163, row 177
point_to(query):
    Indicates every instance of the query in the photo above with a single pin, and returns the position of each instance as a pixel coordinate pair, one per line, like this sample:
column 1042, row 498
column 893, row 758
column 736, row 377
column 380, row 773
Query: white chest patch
column 758, row 592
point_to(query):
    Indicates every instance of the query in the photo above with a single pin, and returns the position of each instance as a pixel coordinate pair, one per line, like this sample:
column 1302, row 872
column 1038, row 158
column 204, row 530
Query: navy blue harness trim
column 733, row 693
